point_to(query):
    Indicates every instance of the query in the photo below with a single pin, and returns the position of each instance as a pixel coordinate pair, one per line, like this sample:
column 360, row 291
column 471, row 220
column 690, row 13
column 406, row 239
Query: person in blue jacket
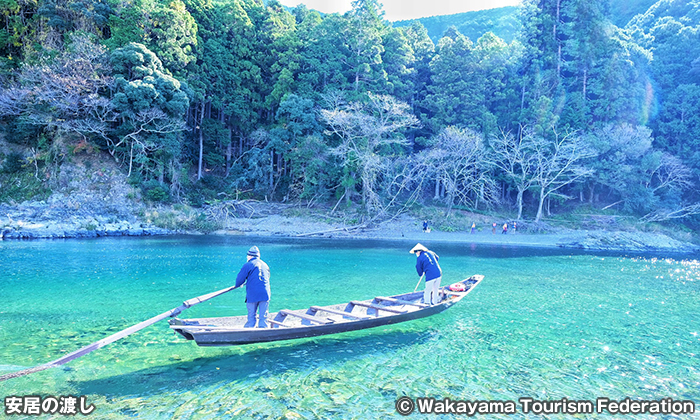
column 256, row 276
column 427, row 263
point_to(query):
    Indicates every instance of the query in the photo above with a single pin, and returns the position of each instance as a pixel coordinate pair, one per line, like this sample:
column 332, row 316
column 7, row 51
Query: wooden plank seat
column 376, row 307
column 203, row 327
column 311, row 318
column 336, row 312
column 401, row 302
column 279, row 324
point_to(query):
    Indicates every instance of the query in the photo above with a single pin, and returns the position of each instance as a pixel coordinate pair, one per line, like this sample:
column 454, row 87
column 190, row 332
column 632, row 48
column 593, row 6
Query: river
column 544, row 324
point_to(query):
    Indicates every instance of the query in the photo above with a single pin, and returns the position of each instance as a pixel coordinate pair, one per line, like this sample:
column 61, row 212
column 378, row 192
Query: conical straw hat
column 417, row 248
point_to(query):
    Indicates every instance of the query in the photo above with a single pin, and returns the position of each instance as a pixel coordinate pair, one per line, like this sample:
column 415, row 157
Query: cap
column 254, row 251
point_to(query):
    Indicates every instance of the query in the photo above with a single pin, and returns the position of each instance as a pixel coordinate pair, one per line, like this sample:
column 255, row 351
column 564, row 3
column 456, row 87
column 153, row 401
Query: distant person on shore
column 426, row 229
column 427, row 264
column 505, row 228
column 515, row 226
column 256, row 276
column 493, row 230
column 473, row 227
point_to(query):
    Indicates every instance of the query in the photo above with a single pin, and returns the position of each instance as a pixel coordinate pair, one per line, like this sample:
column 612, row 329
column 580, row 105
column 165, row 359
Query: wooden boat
column 320, row 320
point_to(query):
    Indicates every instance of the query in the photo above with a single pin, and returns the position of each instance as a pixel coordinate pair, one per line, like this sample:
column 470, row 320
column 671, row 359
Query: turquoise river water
column 544, row 324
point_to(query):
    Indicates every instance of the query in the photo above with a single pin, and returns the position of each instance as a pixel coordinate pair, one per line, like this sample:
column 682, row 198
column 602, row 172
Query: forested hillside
column 503, row 22
column 200, row 100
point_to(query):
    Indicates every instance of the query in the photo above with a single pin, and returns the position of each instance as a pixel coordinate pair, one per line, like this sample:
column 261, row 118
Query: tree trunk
column 229, row 152
column 541, row 205
column 520, row 202
column 556, row 26
column 272, row 170
column 161, row 172
column 201, row 145
column 131, row 159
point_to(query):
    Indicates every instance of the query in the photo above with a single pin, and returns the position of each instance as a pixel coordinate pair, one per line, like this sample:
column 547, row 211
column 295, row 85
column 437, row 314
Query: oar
column 419, row 280
column 114, row 337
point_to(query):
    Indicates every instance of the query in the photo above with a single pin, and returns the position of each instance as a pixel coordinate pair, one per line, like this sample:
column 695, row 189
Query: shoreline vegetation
column 92, row 198
column 82, row 216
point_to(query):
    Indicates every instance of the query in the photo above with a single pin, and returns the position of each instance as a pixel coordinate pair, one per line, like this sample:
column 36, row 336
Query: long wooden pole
column 114, row 337
column 421, row 278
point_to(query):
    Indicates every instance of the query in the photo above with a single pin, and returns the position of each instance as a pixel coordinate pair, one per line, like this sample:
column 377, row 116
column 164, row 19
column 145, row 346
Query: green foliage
column 14, row 162
column 236, row 88
column 205, row 190
column 503, row 22
column 173, row 35
column 156, row 192
column 150, row 106
column 21, row 186
column 467, row 82
column 621, row 12
column 678, row 125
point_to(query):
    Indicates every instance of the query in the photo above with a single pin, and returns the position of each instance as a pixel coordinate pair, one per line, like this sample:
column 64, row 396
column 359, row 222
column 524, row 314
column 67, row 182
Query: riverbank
column 92, row 198
column 81, row 216
column 410, row 229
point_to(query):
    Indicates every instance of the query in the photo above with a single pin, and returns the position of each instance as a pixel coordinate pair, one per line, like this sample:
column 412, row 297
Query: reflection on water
column 545, row 324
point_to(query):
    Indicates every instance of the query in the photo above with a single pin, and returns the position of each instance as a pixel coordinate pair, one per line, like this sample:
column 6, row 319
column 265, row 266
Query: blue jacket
column 256, row 275
column 427, row 263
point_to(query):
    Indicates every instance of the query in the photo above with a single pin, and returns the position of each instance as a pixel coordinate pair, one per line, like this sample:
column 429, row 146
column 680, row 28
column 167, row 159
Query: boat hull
column 227, row 331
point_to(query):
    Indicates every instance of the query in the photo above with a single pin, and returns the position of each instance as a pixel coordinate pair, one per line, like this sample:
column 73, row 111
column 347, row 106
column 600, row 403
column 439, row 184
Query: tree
column 64, row 95
column 579, row 70
column 172, row 35
column 323, row 55
column 368, row 132
column 512, row 156
column 398, row 61
column 457, row 163
column 227, row 80
column 59, row 102
column 16, row 29
column 556, row 163
column 540, row 73
column 363, row 37
column 677, row 127
column 618, row 167
column 150, row 108
column 456, row 84
column 423, row 51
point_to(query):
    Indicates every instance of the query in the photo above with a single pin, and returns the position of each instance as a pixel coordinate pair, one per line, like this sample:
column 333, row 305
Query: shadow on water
column 267, row 360
column 461, row 248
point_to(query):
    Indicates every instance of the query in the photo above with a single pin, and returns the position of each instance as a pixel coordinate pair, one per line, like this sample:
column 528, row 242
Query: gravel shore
column 410, row 230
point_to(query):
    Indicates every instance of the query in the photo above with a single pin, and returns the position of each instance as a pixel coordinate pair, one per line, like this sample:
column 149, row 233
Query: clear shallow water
column 543, row 324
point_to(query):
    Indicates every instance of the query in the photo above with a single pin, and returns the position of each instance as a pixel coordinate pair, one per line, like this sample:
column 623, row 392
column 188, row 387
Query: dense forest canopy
column 204, row 99
column 503, row 22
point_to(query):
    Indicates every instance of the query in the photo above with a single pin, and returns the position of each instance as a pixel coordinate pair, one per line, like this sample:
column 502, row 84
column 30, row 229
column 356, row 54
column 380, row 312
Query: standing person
column 493, row 231
column 505, row 228
column 427, row 263
column 473, row 227
column 515, row 226
column 425, row 226
column 256, row 276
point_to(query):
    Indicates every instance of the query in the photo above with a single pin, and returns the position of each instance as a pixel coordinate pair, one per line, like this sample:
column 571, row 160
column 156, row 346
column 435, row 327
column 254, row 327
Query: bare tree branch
column 366, row 133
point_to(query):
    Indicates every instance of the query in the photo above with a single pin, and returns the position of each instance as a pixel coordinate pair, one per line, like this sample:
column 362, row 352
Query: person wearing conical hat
column 427, row 264
column 256, row 276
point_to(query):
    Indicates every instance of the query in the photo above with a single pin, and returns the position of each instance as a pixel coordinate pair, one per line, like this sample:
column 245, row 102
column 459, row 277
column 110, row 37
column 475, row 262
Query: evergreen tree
column 363, row 42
